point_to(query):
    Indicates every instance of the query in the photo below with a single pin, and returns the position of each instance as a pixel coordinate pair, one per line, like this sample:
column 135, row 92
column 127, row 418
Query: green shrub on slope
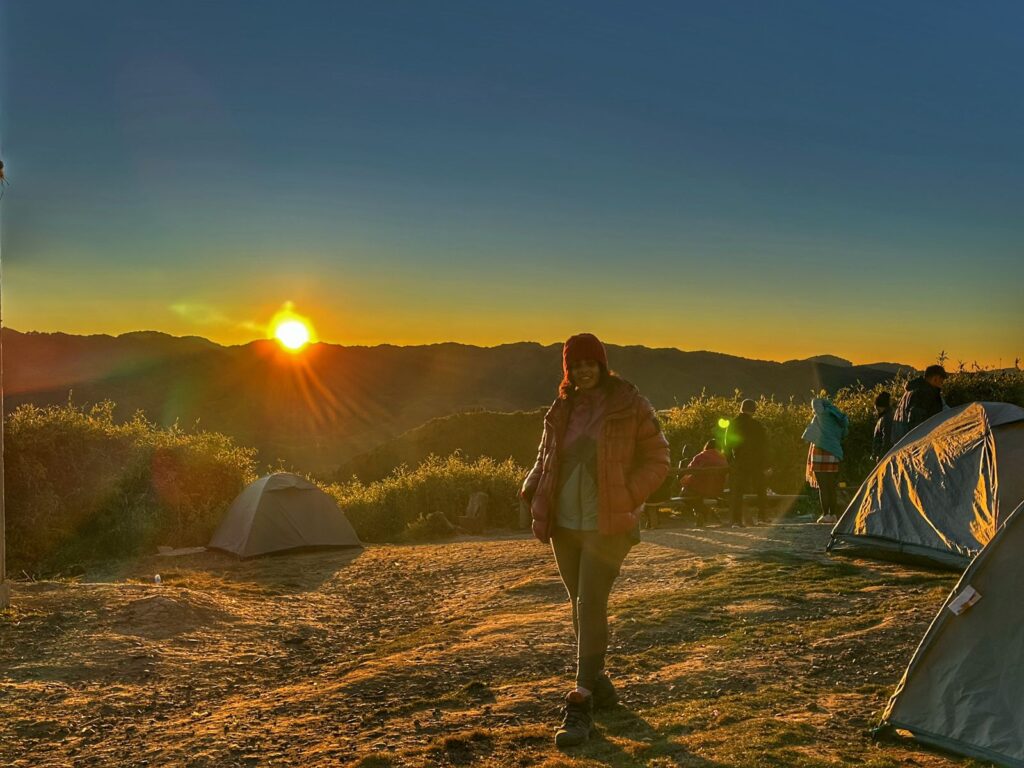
column 80, row 486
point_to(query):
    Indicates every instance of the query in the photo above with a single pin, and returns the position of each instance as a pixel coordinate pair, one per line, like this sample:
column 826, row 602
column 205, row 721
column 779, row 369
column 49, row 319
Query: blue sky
column 771, row 180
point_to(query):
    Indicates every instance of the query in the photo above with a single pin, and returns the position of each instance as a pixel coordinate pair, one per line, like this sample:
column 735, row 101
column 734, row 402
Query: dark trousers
column 746, row 480
column 589, row 563
column 695, row 501
column 828, row 482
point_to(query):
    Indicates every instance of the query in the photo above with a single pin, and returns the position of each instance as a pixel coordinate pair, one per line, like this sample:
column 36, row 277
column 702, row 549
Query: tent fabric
column 942, row 491
column 279, row 512
column 962, row 689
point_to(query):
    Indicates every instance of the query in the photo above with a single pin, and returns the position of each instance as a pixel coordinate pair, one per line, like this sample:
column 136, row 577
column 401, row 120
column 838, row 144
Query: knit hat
column 582, row 346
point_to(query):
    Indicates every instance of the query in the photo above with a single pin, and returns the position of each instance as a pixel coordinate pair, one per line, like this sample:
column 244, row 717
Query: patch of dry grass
column 730, row 648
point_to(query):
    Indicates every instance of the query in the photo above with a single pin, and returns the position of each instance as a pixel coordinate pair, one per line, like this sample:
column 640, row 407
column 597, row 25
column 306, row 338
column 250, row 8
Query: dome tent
column 942, row 491
column 282, row 511
column 961, row 690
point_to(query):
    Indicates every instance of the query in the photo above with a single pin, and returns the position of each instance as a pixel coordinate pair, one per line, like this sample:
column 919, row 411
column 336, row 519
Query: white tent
column 962, row 689
column 942, row 491
column 282, row 511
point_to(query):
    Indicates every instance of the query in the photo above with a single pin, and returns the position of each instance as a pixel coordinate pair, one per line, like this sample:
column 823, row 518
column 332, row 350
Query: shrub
column 692, row 424
column 1006, row 386
column 80, row 486
column 384, row 510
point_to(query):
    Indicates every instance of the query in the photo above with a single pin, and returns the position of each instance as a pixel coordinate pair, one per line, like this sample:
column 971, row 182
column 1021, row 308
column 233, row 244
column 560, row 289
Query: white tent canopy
column 942, row 491
column 962, row 689
column 282, row 511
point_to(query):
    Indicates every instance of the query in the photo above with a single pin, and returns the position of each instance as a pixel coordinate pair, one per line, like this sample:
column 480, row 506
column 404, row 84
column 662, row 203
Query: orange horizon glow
column 919, row 354
column 351, row 316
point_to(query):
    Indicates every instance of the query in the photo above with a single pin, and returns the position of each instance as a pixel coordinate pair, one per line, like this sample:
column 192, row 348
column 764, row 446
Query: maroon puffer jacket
column 632, row 461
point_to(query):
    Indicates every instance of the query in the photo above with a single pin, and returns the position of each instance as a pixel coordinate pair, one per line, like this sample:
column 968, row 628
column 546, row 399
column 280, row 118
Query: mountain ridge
column 315, row 410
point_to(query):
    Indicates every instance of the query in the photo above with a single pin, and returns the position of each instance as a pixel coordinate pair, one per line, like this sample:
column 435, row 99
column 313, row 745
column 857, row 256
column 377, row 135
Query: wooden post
column 5, row 588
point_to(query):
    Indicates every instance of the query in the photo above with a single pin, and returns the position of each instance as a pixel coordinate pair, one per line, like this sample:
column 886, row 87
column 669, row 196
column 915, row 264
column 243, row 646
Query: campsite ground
column 732, row 647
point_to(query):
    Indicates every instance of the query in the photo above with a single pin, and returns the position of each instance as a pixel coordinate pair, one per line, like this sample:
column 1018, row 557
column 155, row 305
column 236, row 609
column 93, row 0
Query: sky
column 771, row 180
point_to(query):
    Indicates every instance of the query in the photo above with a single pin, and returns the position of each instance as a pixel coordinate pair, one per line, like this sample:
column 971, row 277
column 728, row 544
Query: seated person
column 705, row 485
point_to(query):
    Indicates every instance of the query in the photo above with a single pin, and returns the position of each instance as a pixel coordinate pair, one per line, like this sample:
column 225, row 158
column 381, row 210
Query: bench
column 654, row 510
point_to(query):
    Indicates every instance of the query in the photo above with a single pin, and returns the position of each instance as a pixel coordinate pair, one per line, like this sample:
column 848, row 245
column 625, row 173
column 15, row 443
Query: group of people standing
column 603, row 453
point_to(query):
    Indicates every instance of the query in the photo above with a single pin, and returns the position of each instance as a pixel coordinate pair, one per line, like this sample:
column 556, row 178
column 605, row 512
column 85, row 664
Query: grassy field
column 731, row 647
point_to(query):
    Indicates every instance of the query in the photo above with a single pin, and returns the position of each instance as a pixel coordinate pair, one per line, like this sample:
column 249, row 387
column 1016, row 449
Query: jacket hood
column 824, row 409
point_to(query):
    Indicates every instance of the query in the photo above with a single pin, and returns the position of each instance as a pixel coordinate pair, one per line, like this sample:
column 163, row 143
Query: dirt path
column 731, row 647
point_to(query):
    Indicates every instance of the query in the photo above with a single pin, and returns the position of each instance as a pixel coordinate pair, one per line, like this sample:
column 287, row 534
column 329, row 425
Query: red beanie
column 582, row 346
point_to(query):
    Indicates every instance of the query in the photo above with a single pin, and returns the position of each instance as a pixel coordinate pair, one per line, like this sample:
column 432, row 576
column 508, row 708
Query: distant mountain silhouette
column 893, row 368
column 830, row 360
column 316, row 410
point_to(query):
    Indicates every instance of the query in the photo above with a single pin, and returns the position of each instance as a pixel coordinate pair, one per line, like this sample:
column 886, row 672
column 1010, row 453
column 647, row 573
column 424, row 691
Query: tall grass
column 80, row 486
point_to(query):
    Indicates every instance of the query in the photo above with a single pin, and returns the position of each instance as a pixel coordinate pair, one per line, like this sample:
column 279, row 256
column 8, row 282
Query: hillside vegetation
column 318, row 409
column 474, row 434
column 501, row 436
column 82, row 486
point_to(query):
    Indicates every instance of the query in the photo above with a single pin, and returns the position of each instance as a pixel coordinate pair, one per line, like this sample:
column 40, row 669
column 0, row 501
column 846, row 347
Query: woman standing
column 601, row 455
column 825, row 434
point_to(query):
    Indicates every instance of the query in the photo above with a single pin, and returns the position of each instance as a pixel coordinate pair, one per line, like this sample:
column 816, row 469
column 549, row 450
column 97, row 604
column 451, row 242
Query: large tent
column 942, row 491
column 282, row 511
column 962, row 689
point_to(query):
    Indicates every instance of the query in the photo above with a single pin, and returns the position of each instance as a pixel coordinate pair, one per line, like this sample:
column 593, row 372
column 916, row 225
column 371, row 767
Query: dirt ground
column 731, row 647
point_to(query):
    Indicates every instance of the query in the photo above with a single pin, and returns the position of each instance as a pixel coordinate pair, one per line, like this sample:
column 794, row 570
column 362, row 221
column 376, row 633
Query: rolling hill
column 317, row 410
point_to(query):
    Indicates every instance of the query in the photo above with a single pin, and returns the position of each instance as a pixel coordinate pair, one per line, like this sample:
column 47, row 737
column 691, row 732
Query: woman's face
column 585, row 374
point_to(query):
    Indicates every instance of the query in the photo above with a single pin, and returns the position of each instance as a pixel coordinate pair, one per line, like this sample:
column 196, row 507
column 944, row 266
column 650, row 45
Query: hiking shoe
column 577, row 720
column 605, row 696
column 828, row 519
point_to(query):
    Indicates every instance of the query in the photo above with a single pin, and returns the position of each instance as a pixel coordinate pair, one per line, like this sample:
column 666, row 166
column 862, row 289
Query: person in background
column 602, row 453
column 825, row 434
column 746, row 443
column 921, row 400
column 881, row 441
column 708, row 484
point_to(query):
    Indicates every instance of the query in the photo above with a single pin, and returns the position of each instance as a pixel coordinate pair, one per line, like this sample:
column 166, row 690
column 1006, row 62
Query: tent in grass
column 962, row 689
column 282, row 511
column 942, row 491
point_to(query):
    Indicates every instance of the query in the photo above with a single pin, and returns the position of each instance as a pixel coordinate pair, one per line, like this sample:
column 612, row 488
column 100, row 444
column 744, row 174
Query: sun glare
column 293, row 334
column 291, row 330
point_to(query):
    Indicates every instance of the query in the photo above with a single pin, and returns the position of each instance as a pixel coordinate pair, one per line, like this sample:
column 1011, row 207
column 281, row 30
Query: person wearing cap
column 601, row 454
column 921, row 400
column 746, row 442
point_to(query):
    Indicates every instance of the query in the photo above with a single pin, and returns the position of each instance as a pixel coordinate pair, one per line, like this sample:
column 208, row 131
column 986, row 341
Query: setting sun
column 291, row 330
column 293, row 334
